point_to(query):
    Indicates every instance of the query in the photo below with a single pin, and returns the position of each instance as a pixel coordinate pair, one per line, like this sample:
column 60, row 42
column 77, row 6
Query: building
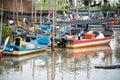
column 15, row 9
column 16, row 5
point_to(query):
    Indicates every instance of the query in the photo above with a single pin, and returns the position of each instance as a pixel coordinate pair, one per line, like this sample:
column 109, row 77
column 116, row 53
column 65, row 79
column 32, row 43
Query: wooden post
column 35, row 10
column 35, row 20
column 14, row 10
column 118, row 9
column 49, row 5
column 41, row 8
column 54, row 23
column 16, row 3
column 1, row 24
column 32, row 13
column 89, row 9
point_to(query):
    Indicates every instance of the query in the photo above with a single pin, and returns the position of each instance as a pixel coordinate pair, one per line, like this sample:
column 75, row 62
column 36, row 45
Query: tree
column 105, row 2
column 87, row 2
column 44, row 1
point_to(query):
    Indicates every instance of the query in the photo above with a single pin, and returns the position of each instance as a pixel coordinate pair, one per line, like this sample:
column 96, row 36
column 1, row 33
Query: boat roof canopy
column 86, row 12
column 83, row 22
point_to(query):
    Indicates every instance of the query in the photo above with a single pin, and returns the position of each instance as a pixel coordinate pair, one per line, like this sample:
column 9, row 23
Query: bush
column 6, row 31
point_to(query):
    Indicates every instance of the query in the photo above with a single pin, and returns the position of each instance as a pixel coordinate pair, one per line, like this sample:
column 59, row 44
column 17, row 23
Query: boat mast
column 1, row 24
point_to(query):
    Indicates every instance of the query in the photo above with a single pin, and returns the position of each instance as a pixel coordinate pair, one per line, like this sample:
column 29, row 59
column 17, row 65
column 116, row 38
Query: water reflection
column 80, row 59
column 64, row 64
column 117, row 45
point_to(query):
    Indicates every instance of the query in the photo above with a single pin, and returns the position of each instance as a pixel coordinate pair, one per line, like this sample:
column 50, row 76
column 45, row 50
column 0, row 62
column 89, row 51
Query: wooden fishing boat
column 89, row 37
column 74, row 43
column 23, row 48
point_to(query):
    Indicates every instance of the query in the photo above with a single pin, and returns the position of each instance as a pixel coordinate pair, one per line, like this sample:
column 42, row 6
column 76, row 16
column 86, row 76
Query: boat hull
column 75, row 43
column 24, row 52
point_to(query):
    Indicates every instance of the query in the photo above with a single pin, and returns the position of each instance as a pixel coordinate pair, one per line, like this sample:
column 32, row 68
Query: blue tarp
column 44, row 27
column 45, row 40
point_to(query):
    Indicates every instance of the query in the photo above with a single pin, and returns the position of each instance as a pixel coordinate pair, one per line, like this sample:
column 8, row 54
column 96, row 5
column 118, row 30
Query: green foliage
column 60, row 11
column 113, row 7
column 6, row 31
column 86, row 2
column 67, row 6
column 104, row 7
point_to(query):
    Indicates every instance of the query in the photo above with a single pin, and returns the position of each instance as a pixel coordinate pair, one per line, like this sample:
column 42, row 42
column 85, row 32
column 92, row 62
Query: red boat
column 75, row 43
column 83, row 37
column 88, row 40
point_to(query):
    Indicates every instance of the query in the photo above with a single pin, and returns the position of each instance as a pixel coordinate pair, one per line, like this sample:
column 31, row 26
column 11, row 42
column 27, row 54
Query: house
column 16, row 5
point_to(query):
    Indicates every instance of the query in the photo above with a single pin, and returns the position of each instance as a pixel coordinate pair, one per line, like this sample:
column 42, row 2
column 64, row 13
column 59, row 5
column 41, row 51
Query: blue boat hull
column 39, row 45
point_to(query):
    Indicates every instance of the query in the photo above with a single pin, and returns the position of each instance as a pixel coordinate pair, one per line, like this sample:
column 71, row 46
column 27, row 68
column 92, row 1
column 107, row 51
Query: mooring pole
column 54, row 24
column 1, row 24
